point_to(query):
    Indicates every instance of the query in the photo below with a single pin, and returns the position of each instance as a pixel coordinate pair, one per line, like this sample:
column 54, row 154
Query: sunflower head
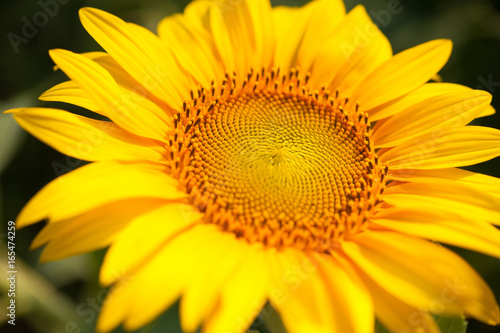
column 251, row 155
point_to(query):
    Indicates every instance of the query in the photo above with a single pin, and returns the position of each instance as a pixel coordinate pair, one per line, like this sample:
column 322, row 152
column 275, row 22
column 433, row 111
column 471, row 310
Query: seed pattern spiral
column 274, row 163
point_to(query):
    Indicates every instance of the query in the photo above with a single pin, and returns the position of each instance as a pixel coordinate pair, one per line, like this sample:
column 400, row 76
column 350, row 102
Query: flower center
column 273, row 163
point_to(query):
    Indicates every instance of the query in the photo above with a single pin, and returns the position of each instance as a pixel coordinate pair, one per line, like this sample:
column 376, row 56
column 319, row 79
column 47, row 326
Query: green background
column 59, row 297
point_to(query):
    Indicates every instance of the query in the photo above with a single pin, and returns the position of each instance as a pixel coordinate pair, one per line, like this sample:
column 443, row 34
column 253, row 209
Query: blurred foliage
column 65, row 296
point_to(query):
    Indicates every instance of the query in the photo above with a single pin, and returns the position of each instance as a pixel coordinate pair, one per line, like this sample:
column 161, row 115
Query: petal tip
column 483, row 96
column 106, row 278
column 45, row 258
column 35, row 245
column 448, row 44
column 105, row 325
column 445, row 41
column 443, row 44
column 58, row 53
column 495, row 316
column 85, row 11
column 27, row 216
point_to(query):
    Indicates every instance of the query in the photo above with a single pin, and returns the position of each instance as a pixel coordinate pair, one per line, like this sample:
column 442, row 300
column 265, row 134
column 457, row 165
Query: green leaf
column 379, row 328
column 451, row 324
column 272, row 320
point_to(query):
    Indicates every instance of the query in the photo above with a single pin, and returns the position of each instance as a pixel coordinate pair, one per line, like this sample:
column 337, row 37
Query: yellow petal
column 445, row 111
column 417, row 202
column 490, row 110
column 128, row 109
column 335, row 52
column 479, row 181
column 158, row 283
column 204, row 292
column 165, row 277
column 445, row 148
column 449, row 196
column 198, row 57
column 127, row 83
column 143, row 236
column 232, row 59
column 91, row 230
column 325, row 17
column 442, row 227
column 302, row 295
column 243, row 33
column 352, row 303
column 197, row 15
column 142, row 54
column 91, row 55
column 423, row 274
column 94, row 185
column 243, row 295
column 437, row 78
column 427, row 91
column 396, row 315
column 116, row 305
column 403, row 73
column 354, row 51
column 70, row 92
column 290, row 26
column 263, row 31
column 366, row 58
column 84, row 138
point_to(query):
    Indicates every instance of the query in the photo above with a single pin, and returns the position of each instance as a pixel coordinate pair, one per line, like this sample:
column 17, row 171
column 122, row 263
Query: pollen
column 271, row 161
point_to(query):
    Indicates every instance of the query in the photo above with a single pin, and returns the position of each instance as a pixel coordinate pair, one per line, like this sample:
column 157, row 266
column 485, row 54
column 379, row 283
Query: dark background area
column 64, row 296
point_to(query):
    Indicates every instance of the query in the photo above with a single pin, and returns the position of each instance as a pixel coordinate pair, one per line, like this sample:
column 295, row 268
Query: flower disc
column 285, row 168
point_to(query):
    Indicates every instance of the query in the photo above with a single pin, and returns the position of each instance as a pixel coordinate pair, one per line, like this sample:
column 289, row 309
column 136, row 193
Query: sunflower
column 250, row 155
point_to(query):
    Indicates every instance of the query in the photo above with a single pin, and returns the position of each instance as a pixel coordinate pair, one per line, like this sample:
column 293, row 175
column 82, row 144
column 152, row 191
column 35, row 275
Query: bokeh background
column 64, row 296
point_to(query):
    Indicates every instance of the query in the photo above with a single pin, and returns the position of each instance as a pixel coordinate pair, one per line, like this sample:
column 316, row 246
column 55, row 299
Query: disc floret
column 271, row 160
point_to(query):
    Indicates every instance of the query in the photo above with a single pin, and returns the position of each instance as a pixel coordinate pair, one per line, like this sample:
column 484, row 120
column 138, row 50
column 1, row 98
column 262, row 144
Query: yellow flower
column 253, row 154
